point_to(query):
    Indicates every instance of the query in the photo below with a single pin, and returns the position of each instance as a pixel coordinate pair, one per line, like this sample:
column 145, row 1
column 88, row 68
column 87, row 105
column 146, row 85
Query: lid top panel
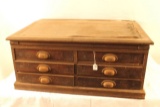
column 97, row 31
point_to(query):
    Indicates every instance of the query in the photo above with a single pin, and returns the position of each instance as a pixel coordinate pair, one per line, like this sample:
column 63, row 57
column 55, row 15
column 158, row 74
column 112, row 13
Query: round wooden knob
column 43, row 68
column 44, row 80
column 42, row 55
column 108, row 84
column 109, row 71
column 109, row 58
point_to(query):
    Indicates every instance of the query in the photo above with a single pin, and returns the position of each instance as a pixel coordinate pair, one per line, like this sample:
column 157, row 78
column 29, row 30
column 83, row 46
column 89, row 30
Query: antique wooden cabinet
column 89, row 57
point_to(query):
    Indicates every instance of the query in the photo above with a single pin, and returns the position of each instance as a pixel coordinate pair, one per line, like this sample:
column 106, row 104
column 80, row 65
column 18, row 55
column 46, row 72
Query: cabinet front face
column 72, row 67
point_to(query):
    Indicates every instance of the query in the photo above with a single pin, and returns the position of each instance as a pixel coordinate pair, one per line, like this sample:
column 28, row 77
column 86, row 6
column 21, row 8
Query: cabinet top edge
column 83, row 31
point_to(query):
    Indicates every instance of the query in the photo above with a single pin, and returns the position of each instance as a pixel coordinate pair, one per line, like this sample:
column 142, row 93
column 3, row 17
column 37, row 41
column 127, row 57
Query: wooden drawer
column 111, row 57
column 49, row 55
column 110, row 71
column 45, row 79
column 64, row 69
column 107, row 83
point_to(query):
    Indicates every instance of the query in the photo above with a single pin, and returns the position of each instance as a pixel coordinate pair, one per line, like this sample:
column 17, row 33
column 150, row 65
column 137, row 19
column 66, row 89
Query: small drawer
column 107, row 83
column 111, row 57
column 110, row 71
column 65, row 69
column 49, row 55
column 45, row 79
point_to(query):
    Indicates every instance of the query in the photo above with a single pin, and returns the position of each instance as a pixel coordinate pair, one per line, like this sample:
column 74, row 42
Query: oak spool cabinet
column 77, row 56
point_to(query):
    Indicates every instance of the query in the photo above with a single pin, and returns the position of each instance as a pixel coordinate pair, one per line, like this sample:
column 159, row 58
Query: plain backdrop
column 16, row 14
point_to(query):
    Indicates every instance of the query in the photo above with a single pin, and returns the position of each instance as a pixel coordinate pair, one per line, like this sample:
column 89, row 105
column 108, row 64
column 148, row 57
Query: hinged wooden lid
column 83, row 31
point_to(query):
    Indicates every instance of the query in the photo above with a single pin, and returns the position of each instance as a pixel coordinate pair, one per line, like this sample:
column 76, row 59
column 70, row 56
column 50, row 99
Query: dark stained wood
column 57, row 56
column 54, row 55
column 96, row 82
column 122, row 72
column 135, row 58
column 64, row 69
column 54, row 79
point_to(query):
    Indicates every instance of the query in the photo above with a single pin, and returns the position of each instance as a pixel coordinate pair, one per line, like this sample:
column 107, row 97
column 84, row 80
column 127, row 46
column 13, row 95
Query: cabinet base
column 137, row 94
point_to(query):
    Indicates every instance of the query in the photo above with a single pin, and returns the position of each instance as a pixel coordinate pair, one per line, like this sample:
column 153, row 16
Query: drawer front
column 107, row 83
column 110, row 72
column 65, row 69
column 49, row 55
column 45, row 79
column 113, row 58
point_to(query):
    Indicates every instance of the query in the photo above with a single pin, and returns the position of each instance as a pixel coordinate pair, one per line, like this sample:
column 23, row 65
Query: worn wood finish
column 138, row 94
column 57, row 56
column 121, row 72
column 83, row 31
column 64, row 69
column 121, row 57
column 53, row 55
column 97, row 83
column 54, row 79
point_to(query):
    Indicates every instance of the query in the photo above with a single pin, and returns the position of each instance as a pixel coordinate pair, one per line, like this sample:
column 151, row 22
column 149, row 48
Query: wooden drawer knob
column 108, row 84
column 43, row 68
column 109, row 71
column 44, row 80
column 109, row 58
column 42, row 55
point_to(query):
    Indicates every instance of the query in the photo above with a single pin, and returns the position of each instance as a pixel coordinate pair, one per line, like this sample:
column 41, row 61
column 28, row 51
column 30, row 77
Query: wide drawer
column 111, row 57
column 45, row 79
column 110, row 71
column 48, row 55
column 65, row 69
column 107, row 83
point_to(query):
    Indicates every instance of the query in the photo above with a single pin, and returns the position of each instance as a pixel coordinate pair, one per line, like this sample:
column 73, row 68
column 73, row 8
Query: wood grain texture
column 89, row 31
column 64, row 69
column 57, row 55
column 137, row 94
column 135, row 58
column 122, row 72
column 97, row 83
column 54, row 79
